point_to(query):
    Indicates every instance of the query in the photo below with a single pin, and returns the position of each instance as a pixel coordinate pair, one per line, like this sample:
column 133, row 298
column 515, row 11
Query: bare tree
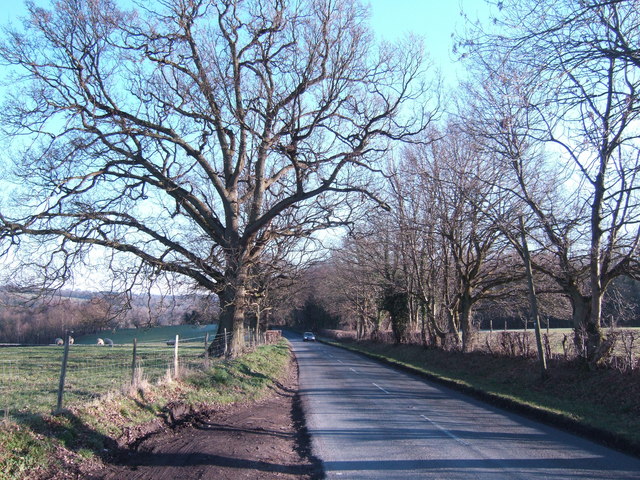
column 573, row 69
column 188, row 135
column 425, row 259
column 273, row 281
column 378, row 259
column 354, row 286
column 474, row 260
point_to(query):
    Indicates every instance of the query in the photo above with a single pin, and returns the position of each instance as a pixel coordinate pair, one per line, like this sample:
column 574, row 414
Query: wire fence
column 41, row 379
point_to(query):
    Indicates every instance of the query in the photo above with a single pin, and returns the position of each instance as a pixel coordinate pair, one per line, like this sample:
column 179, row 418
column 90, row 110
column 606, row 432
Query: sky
column 436, row 20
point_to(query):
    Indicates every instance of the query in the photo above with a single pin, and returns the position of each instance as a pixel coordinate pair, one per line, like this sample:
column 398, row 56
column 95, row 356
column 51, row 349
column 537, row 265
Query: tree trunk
column 414, row 315
column 595, row 338
column 453, row 317
column 257, row 323
column 588, row 337
column 360, row 325
column 533, row 300
column 581, row 311
column 466, row 324
column 423, row 324
column 232, row 308
column 469, row 334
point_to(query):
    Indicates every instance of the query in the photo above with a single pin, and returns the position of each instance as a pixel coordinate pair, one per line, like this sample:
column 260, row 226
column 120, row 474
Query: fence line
column 34, row 379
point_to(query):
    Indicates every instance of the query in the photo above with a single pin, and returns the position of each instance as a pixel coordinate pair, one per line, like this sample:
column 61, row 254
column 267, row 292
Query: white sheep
column 100, row 341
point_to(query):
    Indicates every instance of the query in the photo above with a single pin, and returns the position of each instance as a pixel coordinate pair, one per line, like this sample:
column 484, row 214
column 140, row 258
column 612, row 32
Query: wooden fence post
column 134, row 363
column 175, row 358
column 206, row 349
column 63, row 372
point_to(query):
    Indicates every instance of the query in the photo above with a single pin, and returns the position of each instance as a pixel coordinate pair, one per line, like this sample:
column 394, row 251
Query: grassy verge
column 40, row 445
column 29, row 376
column 601, row 404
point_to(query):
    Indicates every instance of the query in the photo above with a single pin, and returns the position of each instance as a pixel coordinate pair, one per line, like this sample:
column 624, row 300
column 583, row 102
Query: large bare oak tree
column 189, row 134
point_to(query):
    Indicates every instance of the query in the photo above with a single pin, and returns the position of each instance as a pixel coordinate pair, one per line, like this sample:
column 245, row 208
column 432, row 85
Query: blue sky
column 436, row 20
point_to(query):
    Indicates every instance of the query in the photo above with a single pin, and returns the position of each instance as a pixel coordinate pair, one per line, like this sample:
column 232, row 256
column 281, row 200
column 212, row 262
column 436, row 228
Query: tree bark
column 233, row 299
column 533, row 300
column 469, row 334
column 580, row 314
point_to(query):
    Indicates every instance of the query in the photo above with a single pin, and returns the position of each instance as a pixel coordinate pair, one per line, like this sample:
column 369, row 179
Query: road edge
column 567, row 424
column 304, row 441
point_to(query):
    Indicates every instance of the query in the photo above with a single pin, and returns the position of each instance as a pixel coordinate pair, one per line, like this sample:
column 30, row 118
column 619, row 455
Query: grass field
column 188, row 333
column 560, row 341
column 66, row 445
column 29, row 376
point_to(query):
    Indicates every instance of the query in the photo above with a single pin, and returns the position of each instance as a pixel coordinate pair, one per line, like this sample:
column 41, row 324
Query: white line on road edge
column 340, row 361
column 353, row 370
column 382, row 389
column 445, row 431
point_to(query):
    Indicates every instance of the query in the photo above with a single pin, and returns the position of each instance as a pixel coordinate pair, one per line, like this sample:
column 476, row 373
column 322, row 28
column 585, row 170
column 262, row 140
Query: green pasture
column 561, row 340
column 46, row 446
column 187, row 333
column 29, row 376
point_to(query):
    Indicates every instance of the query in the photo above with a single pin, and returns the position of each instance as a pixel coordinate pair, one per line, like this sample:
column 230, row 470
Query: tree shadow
column 183, row 455
column 72, row 432
column 164, row 461
column 303, row 438
column 274, row 383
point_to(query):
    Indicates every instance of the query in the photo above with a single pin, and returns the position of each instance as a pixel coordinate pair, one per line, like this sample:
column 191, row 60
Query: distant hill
column 32, row 317
column 187, row 333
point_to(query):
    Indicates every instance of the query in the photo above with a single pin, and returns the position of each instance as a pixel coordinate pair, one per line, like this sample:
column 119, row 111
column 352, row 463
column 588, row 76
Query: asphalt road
column 369, row 421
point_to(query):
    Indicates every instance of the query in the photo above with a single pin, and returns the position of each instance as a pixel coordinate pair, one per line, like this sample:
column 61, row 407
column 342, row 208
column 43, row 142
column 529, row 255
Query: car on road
column 308, row 337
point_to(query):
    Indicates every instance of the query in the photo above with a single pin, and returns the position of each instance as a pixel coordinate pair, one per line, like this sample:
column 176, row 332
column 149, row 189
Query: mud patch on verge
column 265, row 439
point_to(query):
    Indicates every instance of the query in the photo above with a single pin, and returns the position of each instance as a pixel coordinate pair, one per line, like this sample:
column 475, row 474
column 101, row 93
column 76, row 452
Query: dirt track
column 264, row 440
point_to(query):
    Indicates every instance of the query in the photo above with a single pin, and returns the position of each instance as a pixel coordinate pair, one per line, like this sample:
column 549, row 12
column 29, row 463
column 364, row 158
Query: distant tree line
column 29, row 319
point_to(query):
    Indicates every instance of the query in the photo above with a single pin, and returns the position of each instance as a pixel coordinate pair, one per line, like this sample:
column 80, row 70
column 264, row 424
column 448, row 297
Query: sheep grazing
column 70, row 340
column 108, row 341
column 58, row 341
column 100, row 341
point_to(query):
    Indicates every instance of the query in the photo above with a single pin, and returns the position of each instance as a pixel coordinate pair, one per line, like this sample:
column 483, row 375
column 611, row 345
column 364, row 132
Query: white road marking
column 353, row 370
column 340, row 361
column 445, row 431
column 382, row 389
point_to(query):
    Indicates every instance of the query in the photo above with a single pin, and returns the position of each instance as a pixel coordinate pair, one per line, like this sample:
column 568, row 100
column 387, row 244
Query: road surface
column 369, row 421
